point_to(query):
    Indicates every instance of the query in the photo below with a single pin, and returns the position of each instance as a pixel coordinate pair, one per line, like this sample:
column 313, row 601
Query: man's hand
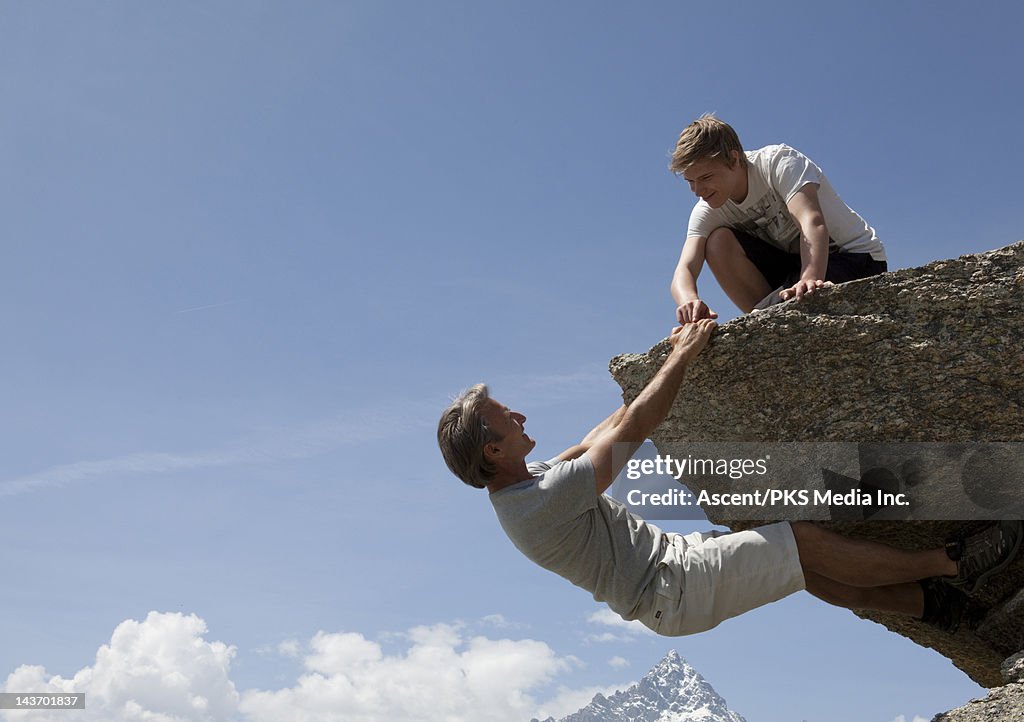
column 691, row 338
column 693, row 310
column 803, row 288
column 650, row 407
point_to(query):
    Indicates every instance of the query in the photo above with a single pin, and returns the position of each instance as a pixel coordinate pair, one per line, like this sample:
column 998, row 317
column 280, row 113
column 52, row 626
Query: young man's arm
column 689, row 307
column 807, row 212
column 650, row 408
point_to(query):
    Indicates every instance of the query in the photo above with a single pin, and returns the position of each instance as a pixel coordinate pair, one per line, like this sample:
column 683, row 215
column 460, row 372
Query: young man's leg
column 742, row 280
column 844, row 267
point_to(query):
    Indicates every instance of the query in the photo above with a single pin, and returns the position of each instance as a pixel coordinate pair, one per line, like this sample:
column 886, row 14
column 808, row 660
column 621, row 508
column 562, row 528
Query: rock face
column 672, row 691
column 1004, row 703
column 930, row 354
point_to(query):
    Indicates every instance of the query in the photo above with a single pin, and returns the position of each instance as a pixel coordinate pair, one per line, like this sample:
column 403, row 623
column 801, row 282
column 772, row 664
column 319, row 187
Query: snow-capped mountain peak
column 672, row 691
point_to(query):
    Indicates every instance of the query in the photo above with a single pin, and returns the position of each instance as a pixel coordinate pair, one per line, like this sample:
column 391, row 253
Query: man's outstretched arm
column 650, row 408
column 574, row 452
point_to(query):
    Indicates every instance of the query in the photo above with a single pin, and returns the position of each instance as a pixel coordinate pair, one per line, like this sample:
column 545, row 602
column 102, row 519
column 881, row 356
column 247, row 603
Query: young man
column 556, row 513
column 765, row 219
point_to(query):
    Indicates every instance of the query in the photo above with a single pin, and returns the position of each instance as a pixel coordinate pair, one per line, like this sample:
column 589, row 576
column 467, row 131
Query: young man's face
column 509, row 427
column 716, row 182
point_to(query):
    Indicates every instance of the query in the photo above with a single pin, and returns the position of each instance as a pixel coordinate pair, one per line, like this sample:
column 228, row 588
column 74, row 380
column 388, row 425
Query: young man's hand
column 691, row 338
column 803, row 288
column 693, row 310
column 649, row 408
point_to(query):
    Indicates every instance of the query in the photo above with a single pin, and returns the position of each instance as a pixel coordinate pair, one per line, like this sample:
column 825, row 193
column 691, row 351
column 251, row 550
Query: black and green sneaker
column 943, row 605
column 980, row 556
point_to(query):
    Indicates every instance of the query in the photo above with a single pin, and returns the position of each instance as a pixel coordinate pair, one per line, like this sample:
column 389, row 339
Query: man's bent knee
column 721, row 242
column 807, row 536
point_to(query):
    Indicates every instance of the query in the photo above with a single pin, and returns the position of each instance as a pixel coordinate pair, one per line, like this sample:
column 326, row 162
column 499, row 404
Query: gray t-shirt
column 558, row 520
column 774, row 175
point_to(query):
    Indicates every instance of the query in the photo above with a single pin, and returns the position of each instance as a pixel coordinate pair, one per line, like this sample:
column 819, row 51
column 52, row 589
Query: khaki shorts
column 705, row 578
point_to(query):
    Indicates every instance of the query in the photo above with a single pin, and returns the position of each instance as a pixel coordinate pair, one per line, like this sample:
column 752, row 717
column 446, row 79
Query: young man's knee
column 721, row 242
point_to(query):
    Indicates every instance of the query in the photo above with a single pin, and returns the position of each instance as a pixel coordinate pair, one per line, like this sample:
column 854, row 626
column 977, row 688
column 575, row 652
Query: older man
column 556, row 513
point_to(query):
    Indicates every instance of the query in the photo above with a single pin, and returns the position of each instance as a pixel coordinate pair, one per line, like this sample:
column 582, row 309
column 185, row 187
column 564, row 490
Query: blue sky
column 250, row 250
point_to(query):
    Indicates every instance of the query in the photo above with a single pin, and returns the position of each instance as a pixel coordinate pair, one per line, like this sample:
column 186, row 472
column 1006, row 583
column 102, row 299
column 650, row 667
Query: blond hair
column 706, row 137
column 462, row 434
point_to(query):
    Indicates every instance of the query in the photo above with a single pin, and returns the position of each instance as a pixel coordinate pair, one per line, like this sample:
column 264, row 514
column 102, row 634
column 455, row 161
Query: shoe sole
column 984, row 576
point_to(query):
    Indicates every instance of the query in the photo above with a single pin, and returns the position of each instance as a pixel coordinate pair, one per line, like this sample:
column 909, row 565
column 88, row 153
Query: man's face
column 715, row 182
column 509, row 427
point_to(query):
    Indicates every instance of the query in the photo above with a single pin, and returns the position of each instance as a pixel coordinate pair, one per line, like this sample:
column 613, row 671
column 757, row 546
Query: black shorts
column 782, row 269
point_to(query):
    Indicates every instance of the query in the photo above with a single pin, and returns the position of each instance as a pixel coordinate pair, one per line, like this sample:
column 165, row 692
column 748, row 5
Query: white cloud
column 625, row 631
column 570, row 700
column 500, row 621
column 609, row 618
column 336, row 654
column 441, row 676
column 917, row 718
column 618, row 662
column 607, row 638
column 163, row 669
column 157, row 670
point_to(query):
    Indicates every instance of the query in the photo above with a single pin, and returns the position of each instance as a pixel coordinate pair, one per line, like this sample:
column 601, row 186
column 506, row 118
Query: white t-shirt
column 559, row 521
column 774, row 174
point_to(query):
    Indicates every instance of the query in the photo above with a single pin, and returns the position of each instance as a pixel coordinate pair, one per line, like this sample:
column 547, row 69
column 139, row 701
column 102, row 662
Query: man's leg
column 931, row 601
column 900, row 598
column 966, row 563
column 741, row 280
column 866, row 575
column 859, row 574
column 844, row 267
column 859, row 563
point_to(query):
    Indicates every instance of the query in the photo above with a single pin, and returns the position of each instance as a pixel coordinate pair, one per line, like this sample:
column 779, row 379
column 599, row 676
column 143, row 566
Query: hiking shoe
column 943, row 605
column 980, row 556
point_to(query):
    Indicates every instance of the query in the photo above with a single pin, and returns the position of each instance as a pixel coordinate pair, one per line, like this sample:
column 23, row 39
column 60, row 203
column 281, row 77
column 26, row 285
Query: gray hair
column 462, row 435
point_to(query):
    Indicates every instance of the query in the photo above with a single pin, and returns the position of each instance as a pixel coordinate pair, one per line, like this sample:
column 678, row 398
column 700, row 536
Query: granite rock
column 1012, row 668
column 929, row 354
column 1001, row 705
